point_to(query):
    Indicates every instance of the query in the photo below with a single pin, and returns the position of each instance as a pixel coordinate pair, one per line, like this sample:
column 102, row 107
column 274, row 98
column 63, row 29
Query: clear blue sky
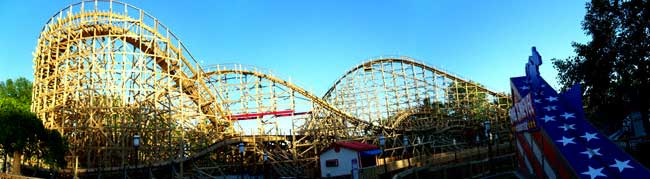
column 316, row 42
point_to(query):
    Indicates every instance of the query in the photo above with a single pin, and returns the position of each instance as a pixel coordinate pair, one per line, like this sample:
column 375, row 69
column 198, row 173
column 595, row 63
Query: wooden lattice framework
column 384, row 95
column 386, row 90
column 105, row 71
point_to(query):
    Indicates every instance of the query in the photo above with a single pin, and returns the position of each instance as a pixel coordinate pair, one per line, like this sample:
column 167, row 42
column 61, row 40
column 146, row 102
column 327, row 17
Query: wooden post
column 76, row 165
column 15, row 167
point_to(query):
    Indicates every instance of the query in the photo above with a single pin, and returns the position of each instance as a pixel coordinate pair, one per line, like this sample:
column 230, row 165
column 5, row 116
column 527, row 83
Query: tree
column 20, row 90
column 465, row 101
column 22, row 132
column 435, row 108
column 614, row 67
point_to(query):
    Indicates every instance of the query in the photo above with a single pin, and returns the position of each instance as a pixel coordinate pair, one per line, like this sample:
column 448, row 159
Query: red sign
column 522, row 115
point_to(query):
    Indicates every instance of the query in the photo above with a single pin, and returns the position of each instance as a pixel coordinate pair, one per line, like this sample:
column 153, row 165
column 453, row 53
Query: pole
column 124, row 162
column 136, row 160
column 242, row 165
column 382, row 143
column 455, row 157
column 266, row 155
column 76, row 164
column 490, row 154
column 488, row 135
column 182, row 152
column 384, row 158
column 264, row 169
column 241, row 151
column 478, row 145
column 434, row 154
column 408, row 159
column 100, row 172
column 496, row 142
column 406, row 145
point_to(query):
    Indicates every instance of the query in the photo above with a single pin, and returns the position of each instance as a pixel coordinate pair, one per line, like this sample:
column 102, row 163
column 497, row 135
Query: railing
column 469, row 157
column 469, row 169
column 11, row 176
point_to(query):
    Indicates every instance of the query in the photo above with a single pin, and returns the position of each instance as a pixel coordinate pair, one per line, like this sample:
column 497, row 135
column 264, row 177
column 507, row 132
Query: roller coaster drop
column 105, row 71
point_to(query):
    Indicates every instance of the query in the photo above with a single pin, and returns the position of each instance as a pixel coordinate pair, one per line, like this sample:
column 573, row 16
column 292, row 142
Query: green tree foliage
column 467, row 102
column 614, row 67
column 436, row 108
column 19, row 90
column 21, row 131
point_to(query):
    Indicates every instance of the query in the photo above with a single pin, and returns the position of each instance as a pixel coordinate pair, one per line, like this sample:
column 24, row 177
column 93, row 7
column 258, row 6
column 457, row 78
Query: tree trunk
column 4, row 168
column 15, row 166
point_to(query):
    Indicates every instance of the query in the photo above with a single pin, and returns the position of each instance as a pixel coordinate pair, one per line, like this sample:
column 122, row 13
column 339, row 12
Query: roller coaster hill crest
column 105, row 71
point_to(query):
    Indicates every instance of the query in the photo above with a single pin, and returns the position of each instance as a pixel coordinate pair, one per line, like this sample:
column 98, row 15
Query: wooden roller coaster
column 105, row 71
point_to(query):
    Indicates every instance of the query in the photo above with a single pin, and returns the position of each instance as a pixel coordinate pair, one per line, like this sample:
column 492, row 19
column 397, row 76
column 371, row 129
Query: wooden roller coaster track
column 105, row 71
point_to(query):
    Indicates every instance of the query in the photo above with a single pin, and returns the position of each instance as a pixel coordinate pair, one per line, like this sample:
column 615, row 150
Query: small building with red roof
column 341, row 158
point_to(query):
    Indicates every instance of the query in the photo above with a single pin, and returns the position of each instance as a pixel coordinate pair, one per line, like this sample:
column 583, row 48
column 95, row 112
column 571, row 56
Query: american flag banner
column 553, row 138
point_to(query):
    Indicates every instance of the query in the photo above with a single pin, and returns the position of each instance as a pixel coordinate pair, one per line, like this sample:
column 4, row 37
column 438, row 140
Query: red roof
column 352, row 145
